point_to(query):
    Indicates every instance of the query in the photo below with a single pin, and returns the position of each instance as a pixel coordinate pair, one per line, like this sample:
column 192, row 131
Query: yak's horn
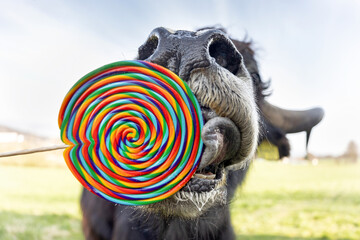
column 292, row 121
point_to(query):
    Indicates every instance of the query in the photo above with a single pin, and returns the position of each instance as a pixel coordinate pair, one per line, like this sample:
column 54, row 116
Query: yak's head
column 229, row 96
column 214, row 69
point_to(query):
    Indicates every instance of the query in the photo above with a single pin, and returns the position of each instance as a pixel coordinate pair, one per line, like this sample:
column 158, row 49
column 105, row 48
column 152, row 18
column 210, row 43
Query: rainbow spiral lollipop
column 133, row 130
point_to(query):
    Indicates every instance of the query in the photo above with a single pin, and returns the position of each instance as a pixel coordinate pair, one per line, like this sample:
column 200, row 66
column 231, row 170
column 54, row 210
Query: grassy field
column 299, row 202
column 38, row 203
column 278, row 201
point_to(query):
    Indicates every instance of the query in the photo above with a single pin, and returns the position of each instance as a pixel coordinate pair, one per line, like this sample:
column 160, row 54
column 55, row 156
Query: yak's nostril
column 225, row 54
column 148, row 48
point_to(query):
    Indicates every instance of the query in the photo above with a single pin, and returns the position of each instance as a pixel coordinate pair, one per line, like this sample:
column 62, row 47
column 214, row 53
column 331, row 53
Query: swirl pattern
column 133, row 130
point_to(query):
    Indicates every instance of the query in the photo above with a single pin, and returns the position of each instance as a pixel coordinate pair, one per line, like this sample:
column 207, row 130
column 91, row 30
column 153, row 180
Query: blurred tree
column 351, row 153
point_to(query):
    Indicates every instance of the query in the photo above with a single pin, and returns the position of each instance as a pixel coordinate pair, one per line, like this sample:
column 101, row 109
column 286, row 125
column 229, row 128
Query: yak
column 224, row 76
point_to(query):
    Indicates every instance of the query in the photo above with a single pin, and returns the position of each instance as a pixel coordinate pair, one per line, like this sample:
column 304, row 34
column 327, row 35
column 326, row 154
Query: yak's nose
column 184, row 51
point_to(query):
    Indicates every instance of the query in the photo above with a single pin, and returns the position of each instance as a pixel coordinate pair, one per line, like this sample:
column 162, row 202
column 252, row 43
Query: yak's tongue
column 222, row 141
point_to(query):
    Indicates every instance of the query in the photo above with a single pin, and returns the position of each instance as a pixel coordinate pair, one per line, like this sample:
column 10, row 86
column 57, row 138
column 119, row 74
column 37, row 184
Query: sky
column 310, row 50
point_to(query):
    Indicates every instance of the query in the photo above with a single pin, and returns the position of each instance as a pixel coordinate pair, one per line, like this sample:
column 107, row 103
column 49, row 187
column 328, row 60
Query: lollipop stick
column 33, row 150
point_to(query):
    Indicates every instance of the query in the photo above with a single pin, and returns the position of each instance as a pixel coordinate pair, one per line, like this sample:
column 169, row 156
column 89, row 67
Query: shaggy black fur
column 104, row 220
column 267, row 131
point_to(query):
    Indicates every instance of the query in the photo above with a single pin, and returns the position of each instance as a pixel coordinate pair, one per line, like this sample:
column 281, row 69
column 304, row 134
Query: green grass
column 38, row 203
column 278, row 201
column 298, row 202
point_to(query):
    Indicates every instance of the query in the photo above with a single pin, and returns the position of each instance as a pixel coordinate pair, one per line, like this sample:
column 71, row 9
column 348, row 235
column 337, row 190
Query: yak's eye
column 225, row 54
column 147, row 49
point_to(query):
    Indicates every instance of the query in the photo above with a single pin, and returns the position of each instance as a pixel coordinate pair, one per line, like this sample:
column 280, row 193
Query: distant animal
column 224, row 77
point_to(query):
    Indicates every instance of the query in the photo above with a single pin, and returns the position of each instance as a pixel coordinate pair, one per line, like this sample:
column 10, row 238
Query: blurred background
column 309, row 49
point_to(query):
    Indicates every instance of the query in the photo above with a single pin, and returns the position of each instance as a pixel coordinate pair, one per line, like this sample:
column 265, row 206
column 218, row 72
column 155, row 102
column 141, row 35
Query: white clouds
column 222, row 11
column 41, row 57
column 310, row 50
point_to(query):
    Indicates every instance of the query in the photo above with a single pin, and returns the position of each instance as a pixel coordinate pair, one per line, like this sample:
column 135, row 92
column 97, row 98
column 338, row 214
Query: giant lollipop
column 133, row 130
